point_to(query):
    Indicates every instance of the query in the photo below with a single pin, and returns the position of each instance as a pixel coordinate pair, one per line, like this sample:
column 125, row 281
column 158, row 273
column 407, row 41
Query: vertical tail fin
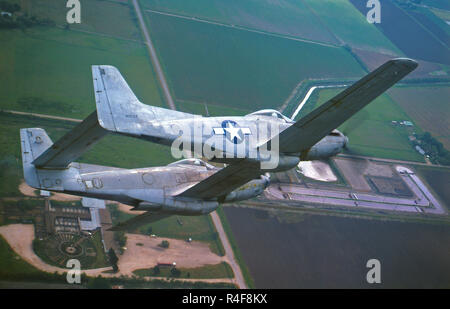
column 119, row 110
column 33, row 141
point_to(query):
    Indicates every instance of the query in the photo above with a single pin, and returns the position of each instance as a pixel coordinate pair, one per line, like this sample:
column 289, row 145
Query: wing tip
column 408, row 63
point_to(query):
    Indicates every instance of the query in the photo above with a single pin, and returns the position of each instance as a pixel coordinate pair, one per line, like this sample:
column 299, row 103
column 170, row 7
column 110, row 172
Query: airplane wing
column 138, row 221
column 224, row 181
column 301, row 136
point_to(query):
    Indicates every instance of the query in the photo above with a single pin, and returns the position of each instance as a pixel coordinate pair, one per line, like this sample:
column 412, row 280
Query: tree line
column 17, row 20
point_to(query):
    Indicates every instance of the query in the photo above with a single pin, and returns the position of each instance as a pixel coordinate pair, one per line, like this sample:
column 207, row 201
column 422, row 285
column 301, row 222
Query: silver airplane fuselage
column 227, row 138
column 150, row 189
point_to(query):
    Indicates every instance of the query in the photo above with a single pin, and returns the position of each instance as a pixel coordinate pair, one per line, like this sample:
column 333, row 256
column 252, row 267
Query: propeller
column 266, row 177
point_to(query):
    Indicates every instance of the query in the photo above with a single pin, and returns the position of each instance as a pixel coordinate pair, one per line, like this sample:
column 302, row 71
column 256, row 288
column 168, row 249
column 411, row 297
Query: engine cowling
column 180, row 206
column 327, row 147
column 249, row 190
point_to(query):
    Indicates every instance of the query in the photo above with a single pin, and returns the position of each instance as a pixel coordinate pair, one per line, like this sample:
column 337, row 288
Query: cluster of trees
column 121, row 238
column 164, row 244
column 156, row 270
column 175, row 272
column 433, row 148
column 19, row 20
column 23, row 21
column 6, row 6
column 98, row 283
column 136, row 282
column 113, row 259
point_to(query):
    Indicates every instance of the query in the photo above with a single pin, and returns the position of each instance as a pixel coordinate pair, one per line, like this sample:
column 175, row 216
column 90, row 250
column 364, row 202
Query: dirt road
column 154, row 58
column 238, row 277
column 42, row 116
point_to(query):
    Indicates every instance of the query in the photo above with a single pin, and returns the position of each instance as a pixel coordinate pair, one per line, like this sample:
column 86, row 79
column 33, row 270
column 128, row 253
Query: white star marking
column 234, row 132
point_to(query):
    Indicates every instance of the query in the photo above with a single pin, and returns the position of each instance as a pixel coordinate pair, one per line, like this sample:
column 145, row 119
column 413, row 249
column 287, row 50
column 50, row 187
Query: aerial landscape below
column 212, row 144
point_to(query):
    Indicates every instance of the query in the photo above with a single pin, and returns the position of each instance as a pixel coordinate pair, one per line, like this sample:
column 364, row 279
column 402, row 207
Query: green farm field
column 438, row 180
column 327, row 21
column 282, row 17
column 240, row 69
column 213, row 109
column 428, row 107
column 370, row 130
column 112, row 18
column 442, row 14
column 350, row 26
column 51, row 68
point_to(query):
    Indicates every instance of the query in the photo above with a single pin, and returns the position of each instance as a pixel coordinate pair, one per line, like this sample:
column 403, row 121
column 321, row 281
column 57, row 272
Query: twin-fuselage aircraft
column 249, row 146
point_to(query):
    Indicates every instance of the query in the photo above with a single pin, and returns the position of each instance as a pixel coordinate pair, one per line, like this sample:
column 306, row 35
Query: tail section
column 118, row 111
column 118, row 108
column 34, row 141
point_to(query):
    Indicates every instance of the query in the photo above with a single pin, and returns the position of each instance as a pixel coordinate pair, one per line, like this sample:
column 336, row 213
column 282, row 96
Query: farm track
column 153, row 56
column 41, row 116
column 104, row 35
column 232, row 26
column 238, row 277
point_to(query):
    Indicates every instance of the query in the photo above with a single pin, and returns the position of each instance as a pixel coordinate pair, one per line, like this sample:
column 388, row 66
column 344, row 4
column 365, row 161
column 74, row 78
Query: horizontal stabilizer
column 72, row 145
column 33, row 141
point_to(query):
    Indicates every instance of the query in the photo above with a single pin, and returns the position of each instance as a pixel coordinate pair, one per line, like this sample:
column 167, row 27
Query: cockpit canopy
column 272, row 113
column 192, row 161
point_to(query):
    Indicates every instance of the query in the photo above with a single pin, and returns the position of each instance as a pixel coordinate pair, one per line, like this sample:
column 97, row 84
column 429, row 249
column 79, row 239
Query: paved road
column 154, row 57
column 239, row 278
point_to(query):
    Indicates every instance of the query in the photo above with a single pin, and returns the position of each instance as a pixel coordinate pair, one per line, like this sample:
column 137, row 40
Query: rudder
column 118, row 108
column 33, row 142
